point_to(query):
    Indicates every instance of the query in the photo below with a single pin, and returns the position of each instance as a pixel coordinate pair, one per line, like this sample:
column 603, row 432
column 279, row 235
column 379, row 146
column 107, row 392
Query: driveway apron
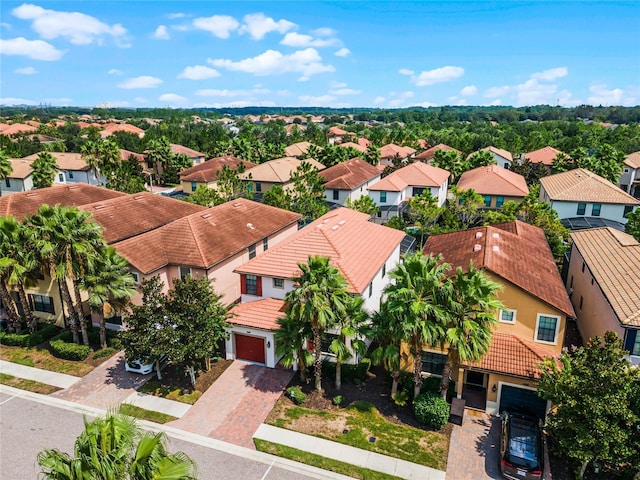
column 237, row 403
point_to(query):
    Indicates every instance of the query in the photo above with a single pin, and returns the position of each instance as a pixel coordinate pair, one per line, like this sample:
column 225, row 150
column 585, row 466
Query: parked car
column 521, row 447
column 143, row 365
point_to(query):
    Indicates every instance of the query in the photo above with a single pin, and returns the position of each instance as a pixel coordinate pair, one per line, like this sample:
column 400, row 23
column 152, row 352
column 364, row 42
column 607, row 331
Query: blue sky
column 338, row 53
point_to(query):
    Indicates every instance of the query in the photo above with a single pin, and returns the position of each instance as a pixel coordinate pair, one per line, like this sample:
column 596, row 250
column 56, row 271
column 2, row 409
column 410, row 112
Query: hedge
column 46, row 332
column 350, row 373
column 431, row 410
column 69, row 351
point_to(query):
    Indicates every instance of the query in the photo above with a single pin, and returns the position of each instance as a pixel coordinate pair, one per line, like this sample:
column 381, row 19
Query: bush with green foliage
column 105, row 352
column 29, row 340
column 338, row 400
column 350, row 373
column 431, row 410
column 296, row 395
column 69, row 351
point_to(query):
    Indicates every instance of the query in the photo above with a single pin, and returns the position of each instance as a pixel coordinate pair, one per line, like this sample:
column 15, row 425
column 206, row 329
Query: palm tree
column 350, row 326
column 386, row 330
column 102, row 156
column 471, row 306
column 5, row 165
column 114, row 447
column 290, row 341
column 414, row 296
column 320, row 299
column 44, row 170
column 110, row 286
column 7, row 248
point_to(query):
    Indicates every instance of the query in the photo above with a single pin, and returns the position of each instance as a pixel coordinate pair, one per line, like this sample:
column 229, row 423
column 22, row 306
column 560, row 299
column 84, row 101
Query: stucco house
column 544, row 156
column 297, row 150
column 502, row 157
column 275, row 172
column 391, row 152
column 603, row 279
column 531, row 327
column 496, row 184
column 195, row 156
column 392, row 192
column 580, row 195
column 206, row 174
column 427, row 155
column 73, row 169
column 630, row 178
column 337, row 135
column 348, row 180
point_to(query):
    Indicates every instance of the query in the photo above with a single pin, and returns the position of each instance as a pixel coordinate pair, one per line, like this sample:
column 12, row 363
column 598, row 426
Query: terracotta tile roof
column 417, row 174
column 297, row 149
column 355, row 146
column 498, row 151
column 501, row 249
column 65, row 160
column 125, row 154
column 355, row 246
column 73, row 195
column 338, row 132
column 364, row 142
column 16, row 128
column 633, row 160
column 111, row 128
column 261, row 314
column 581, row 185
column 613, row 258
column 205, row 238
column 182, row 150
column 422, row 143
column 544, row 155
column 430, row 152
column 349, row 175
column 494, row 180
column 278, row 170
column 208, row 171
column 20, row 168
column 125, row 217
column 512, row 355
column 390, row 150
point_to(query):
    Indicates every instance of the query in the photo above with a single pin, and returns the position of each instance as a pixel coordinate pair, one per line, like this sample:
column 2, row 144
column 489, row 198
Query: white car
column 143, row 365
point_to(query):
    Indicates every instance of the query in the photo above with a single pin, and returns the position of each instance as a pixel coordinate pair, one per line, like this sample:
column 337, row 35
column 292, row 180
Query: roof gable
column 208, row 171
column 429, row 153
column 544, row 155
column 349, row 175
column 417, row 174
column 633, row 160
column 494, row 180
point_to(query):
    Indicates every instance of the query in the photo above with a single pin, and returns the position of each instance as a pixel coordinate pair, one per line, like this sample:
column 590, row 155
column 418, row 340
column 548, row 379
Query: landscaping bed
column 29, row 385
column 175, row 385
column 41, row 357
column 144, row 414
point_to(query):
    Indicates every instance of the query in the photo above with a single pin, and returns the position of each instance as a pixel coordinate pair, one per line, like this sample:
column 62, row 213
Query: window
column 379, row 214
column 626, row 170
column 547, row 329
column 487, row 200
column 383, row 197
column 326, row 341
column 581, row 300
column 627, row 210
column 7, row 182
column 370, row 289
column 508, row 316
column 384, row 269
column 582, row 208
column 115, row 320
column 265, row 244
column 149, row 164
column 595, row 209
column 258, row 187
column 583, row 265
column 194, row 186
column 499, row 201
column 278, row 283
column 251, row 283
column 433, row 362
column 252, row 251
column 136, row 277
column 70, row 174
column 336, row 194
column 635, row 349
column 42, row 303
column 61, row 177
column 185, row 272
column 417, row 191
column 571, row 282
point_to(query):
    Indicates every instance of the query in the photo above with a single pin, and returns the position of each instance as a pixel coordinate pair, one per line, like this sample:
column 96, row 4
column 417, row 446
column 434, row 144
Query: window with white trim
column 278, row 283
column 42, row 303
column 252, row 251
column 547, row 327
column 185, row 272
column 508, row 316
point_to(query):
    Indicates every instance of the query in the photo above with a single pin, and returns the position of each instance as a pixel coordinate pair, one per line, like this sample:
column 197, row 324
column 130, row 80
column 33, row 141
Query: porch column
column 459, row 382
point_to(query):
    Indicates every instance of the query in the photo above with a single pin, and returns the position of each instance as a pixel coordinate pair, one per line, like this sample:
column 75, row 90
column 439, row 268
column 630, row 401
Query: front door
column 474, row 390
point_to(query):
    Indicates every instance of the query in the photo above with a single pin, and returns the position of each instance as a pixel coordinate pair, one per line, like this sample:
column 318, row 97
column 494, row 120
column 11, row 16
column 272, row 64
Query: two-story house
column 502, row 157
column 544, row 156
column 348, row 180
column 297, row 150
column 630, row 178
column 275, row 172
column 530, row 328
column 337, row 135
column 363, row 252
column 603, row 279
column 195, row 156
column 496, row 184
column 391, row 152
column 206, row 174
column 72, row 168
column 392, row 192
column 427, row 155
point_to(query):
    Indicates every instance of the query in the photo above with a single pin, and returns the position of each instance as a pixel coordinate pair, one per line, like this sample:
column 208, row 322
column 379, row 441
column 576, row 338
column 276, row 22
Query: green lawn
column 320, row 462
column 41, row 358
column 153, row 387
column 144, row 414
column 29, row 385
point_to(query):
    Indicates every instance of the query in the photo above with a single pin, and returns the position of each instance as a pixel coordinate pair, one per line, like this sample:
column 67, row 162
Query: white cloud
column 115, row 71
column 140, row 100
column 338, row 85
column 551, row 74
column 405, row 71
column 343, row 52
column 257, row 25
column 25, row 71
column 438, row 75
column 469, row 90
column 236, row 104
column 199, row 72
column 293, row 39
column 144, row 81
column 398, row 99
column 345, row 91
column 601, row 95
column 303, row 78
column 496, row 102
column 5, row 25
column 114, row 104
column 324, row 32
column 272, row 62
column 378, row 100
column 78, row 28
column 317, row 101
column 173, row 16
column 219, row 25
column 15, row 101
column 533, row 93
column 429, row 104
column 161, row 33
column 35, row 49
column 173, row 99
column 496, row 91
column 212, row 92
column 180, row 28
column 396, row 102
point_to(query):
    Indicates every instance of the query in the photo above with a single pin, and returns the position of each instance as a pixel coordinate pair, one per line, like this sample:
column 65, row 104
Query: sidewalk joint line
column 268, row 470
column 10, row 398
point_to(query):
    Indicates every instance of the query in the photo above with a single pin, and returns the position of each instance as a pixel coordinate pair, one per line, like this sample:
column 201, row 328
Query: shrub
column 296, row 395
column 338, row 400
column 65, row 336
column 25, row 339
column 69, row 351
column 431, row 410
column 105, row 352
column 114, row 343
column 400, row 398
column 350, row 373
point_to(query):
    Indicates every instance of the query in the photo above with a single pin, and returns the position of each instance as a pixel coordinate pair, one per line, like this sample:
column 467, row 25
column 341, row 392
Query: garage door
column 520, row 399
column 250, row 348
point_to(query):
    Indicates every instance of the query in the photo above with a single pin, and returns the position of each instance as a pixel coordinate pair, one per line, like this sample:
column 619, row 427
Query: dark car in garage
column 521, row 450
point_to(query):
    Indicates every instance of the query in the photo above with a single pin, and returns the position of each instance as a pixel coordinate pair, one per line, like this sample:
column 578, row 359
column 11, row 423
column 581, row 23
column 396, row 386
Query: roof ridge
column 338, row 257
column 190, row 218
column 508, row 177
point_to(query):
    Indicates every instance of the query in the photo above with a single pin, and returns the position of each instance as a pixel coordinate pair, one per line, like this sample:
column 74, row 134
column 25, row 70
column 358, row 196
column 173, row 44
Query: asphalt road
column 27, row 426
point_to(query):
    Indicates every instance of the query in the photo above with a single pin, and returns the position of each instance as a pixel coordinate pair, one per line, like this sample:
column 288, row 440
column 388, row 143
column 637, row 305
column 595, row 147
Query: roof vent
column 341, row 222
column 31, row 194
column 477, row 247
column 495, row 235
column 335, row 227
column 478, row 234
column 237, row 204
column 250, row 226
column 99, row 207
column 495, row 248
column 138, row 197
column 206, row 215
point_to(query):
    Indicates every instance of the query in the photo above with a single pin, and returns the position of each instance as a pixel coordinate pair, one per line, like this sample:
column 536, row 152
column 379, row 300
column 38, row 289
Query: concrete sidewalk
column 61, row 380
column 347, row 454
column 158, row 404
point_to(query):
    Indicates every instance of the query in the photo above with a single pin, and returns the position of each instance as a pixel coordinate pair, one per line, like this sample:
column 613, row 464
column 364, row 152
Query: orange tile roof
column 633, row 160
column 356, row 247
column 364, row 142
column 545, row 155
column 297, row 149
column 205, row 238
column 613, row 258
column 494, row 180
column 581, row 185
column 501, row 249
column 208, row 171
column 73, row 195
column 261, row 314
column 430, row 152
column 512, row 355
column 355, row 146
column 111, row 128
column 498, row 151
column 127, row 216
column 66, row 160
column 417, row 174
column 338, row 132
column 349, row 175
column 125, row 154
column 390, row 150
column 16, row 128
column 182, row 150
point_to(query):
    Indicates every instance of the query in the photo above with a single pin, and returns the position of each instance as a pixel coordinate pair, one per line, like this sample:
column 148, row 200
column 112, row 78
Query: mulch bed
column 174, row 375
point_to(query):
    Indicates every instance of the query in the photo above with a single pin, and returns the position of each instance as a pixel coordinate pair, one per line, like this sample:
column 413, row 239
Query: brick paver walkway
column 104, row 387
column 474, row 451
column 237, row 403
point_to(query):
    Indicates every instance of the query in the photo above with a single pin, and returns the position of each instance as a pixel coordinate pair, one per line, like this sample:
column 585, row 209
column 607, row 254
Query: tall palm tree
column 7, row 260
column 113, row 448
column 5, row 165
column 414, row 296
column 44, row 170
column 320, row 299
column 471, row 305
column 290, row 341
column 350, row 327
column 102, row 156
column 386, row 330
column 110, row 286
